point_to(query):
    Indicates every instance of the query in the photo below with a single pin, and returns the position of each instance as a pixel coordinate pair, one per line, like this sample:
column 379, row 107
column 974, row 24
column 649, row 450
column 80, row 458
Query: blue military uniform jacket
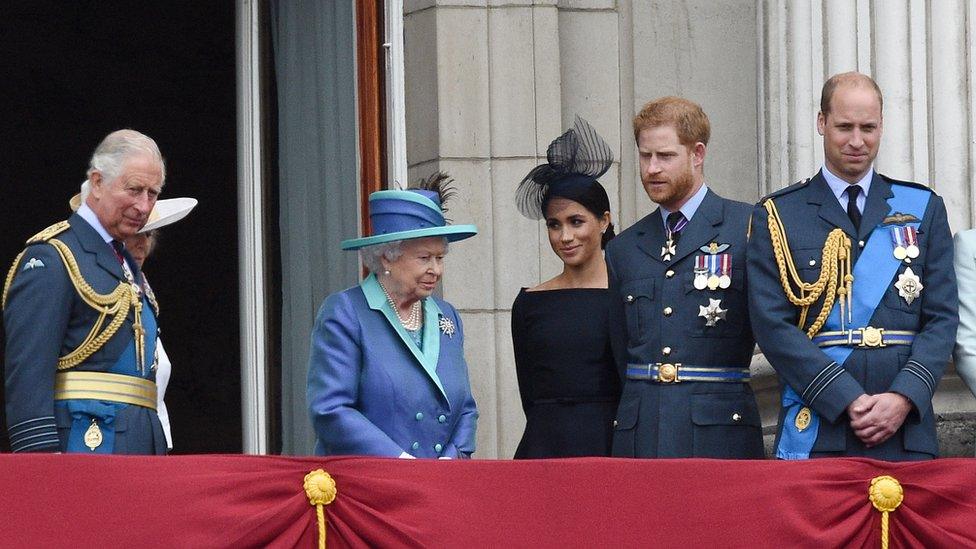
column 809, row 211
column 372, row 391
column 45, row 318
column 654, row 319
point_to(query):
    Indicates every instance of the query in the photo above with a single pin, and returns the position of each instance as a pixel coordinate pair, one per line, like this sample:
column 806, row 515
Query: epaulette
column 786, row 190
column 49, row 233
column 906, row 183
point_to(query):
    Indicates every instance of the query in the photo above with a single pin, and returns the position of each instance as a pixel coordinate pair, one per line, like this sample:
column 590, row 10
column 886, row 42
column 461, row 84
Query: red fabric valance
column 259, row 501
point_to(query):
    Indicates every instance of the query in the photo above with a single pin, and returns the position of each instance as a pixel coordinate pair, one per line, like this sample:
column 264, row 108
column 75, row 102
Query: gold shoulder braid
column 50, row 232
column 835, row 278
column 42, row 236
column 115, row 304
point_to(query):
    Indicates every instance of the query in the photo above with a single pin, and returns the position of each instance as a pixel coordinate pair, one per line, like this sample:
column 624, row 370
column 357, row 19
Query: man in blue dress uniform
column 80, row 333
column 679, row 319
column 852, row 294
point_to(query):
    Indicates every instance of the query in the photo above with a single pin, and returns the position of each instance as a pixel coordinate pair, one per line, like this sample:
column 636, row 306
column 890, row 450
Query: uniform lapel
column 875, row 206
column 652, row 237
column 92, row 243
column 830, row 210
column 702, row 227
column 427, row 358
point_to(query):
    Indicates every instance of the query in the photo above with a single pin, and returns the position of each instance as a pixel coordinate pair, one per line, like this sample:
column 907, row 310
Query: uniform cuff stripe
column 35, row 432
column 819, row 380
column 26, row 423
column 925, row 371
column 49, row 443
column 915, row 372
column 826, row 384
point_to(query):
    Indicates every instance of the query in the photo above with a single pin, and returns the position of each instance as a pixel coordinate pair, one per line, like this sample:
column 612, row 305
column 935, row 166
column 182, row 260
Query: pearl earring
column 386, row 272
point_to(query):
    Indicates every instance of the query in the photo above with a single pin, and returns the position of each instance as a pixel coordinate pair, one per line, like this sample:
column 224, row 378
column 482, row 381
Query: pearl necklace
column 414, row 321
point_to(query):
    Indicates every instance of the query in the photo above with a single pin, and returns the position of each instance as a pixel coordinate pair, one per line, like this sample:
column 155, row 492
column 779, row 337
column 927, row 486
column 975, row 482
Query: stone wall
column 489, row 83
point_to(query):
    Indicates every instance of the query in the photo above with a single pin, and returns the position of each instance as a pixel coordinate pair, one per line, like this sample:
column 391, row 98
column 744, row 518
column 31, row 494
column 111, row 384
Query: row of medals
column 712, row 282
column 714, row 311
column 909, row 284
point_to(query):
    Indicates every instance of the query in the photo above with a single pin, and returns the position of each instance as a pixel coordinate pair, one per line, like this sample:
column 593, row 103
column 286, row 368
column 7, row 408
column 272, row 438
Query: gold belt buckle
column 872, row 337
column 667, row 372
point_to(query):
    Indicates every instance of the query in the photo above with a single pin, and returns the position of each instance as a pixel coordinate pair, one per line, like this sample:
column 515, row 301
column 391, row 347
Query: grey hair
column 85, row 191
column 372, row 256
column 117, row 147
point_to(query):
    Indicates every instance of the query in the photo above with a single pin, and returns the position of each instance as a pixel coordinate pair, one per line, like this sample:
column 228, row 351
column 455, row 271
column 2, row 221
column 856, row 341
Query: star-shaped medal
column 713, row 313
column 909, row 285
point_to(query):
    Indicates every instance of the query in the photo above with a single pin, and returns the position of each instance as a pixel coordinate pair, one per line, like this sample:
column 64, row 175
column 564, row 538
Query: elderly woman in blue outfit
column 386, row 374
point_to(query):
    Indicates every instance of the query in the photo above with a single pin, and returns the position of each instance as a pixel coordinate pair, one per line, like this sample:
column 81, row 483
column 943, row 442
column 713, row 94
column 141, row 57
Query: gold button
column 666, row 351
column 669, row 273
column 630, row 299
column 860, row 244
column 668, row 311
column 736, row 417
column 813, row 262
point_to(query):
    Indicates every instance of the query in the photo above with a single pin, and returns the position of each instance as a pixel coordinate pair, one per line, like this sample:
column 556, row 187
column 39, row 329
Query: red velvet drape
column 253, row 501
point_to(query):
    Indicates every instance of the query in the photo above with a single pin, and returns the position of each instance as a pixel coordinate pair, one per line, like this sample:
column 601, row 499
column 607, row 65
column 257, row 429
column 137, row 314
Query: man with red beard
column 679, row 318
column 80, row 332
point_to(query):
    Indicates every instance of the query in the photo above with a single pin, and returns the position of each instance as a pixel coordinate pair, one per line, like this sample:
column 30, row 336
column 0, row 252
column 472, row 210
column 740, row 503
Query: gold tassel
column 886, row 494
column 834, row 282
column 320, row 488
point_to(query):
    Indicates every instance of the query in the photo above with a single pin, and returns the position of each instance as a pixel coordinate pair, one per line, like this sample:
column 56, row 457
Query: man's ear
column 95, row 184
column 698, row 154
column 821, row 123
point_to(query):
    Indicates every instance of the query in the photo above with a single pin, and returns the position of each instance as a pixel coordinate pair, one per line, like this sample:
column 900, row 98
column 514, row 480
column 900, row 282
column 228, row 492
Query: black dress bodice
column 568, row 383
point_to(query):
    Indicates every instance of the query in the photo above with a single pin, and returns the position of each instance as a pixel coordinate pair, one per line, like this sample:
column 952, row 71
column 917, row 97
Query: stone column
column 482, row 98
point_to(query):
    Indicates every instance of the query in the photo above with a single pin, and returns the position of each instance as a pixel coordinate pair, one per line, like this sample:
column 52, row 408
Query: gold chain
column 835, row 280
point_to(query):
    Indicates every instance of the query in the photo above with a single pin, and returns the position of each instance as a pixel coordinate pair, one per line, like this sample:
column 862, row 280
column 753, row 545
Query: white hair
column 372, row 256
column 117, row 147
column 85, row 191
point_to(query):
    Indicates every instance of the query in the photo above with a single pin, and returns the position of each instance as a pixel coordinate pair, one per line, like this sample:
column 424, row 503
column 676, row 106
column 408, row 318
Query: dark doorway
column 74, row 71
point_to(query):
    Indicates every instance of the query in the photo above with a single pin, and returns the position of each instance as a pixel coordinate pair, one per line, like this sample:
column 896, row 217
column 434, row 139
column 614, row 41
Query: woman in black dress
column 567, row 379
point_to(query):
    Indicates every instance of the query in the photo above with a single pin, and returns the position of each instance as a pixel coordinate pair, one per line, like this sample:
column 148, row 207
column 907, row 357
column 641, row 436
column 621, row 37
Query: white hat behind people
column 165, row 212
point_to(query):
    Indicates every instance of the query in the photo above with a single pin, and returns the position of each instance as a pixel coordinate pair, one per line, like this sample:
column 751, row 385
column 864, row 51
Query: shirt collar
column 690, row 207
column 88, row 215
column 838, row 185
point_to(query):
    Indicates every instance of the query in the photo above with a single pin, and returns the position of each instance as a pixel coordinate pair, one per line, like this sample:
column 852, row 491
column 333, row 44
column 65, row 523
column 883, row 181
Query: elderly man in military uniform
column 80, row 333
column 852, row 294
column 679, row 318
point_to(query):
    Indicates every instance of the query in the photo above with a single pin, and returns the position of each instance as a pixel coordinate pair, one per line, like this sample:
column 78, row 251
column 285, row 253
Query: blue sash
column 874, row 269
column 84, row 410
